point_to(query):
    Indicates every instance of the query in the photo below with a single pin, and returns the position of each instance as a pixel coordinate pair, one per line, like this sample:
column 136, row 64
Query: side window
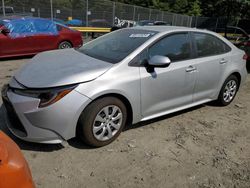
column 45, row 26
column 208, row 45
column 176, row 47
column 20, row 27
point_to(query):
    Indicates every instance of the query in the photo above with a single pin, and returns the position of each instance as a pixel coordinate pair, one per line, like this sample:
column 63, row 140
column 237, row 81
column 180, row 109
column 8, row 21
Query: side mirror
column 157, row 61
column 5, row 31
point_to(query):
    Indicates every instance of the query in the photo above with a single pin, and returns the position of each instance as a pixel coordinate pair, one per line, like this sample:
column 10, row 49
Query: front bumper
column 51, row 124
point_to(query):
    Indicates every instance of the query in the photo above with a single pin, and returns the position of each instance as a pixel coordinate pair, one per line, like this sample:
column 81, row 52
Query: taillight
column 245, row 57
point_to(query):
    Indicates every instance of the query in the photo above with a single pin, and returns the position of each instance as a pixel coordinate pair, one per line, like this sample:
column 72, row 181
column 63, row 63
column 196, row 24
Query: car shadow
column 16, row 58
column 75, row 142
column 175, row 114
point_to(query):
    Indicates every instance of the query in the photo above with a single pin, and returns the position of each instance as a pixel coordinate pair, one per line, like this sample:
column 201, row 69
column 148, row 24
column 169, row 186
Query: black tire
column 87, row 118
column 65, row 45
column 221, row 100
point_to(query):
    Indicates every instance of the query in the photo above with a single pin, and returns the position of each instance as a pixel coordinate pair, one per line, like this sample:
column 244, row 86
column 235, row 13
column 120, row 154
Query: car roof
column 163, row 29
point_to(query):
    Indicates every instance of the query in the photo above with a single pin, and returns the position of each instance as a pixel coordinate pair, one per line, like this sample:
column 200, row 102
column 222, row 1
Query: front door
column 169, row 88
column 18, row 41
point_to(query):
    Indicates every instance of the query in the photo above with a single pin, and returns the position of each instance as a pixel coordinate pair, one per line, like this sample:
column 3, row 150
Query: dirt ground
column 203, row 147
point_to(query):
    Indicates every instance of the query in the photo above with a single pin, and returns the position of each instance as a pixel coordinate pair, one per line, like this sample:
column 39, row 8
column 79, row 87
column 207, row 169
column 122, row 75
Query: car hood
column 59, row 68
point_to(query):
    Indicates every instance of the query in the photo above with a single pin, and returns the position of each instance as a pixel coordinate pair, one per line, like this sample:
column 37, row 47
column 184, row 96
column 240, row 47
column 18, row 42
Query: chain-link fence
column 103, row 12
column 88, row 11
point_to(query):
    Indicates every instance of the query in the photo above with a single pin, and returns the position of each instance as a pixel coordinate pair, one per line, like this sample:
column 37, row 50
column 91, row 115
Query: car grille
column 11, row 113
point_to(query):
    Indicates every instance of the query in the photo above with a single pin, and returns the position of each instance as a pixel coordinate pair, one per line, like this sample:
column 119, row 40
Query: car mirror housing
column 159, row 61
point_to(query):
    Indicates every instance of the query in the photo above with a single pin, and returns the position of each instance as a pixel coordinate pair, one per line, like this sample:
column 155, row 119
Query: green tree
column 245, row 10
column 180, row 6
column 161, row 5
column 195, row 9
column 224, row 8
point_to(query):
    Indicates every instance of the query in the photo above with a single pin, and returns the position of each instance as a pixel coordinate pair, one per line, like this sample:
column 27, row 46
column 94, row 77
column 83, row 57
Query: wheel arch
column 238, row 76
column 235, row 73
column 126, row 103
column 220, row 98
column 120, row 97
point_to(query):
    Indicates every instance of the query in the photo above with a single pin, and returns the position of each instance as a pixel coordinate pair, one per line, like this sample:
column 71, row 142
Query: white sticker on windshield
column 139, row 35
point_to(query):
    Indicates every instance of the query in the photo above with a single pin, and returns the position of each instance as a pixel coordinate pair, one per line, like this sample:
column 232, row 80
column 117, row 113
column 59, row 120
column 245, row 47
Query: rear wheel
column 228, row 91
column 64, row 45
column 102, row 121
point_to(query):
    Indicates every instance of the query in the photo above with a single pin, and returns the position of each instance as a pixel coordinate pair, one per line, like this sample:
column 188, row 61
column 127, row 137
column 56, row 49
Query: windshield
column 116, row 46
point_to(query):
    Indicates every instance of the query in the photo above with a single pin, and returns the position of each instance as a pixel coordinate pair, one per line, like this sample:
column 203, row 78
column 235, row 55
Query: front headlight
column 47, row 96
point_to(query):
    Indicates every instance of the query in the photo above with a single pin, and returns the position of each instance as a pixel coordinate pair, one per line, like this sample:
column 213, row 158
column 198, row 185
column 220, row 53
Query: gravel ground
column 203, row 147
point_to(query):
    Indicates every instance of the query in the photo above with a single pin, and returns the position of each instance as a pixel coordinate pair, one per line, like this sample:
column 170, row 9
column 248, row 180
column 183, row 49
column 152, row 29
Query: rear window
column 208, row 45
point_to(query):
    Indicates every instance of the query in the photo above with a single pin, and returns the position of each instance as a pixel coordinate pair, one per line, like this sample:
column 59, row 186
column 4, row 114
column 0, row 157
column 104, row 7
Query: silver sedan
column 119, row 79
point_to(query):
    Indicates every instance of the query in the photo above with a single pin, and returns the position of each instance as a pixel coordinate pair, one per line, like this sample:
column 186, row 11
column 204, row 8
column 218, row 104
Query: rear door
column 211, row 62
column 45, row 36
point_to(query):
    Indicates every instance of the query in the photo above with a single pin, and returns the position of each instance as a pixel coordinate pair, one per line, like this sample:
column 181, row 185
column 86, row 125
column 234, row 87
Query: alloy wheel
column 230, row 91
column 107, row 122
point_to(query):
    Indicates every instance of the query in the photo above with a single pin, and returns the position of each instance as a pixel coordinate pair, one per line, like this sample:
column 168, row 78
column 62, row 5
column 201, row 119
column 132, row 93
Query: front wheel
column 102, row 121
column 64, row 45
column 228, row 91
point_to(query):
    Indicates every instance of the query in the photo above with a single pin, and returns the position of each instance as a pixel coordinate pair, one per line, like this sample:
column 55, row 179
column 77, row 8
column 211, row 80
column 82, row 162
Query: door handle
column 190, row 68
column 223, row 61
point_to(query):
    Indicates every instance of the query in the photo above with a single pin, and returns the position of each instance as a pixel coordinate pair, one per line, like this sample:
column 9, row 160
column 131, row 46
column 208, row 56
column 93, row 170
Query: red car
column 29, row 36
